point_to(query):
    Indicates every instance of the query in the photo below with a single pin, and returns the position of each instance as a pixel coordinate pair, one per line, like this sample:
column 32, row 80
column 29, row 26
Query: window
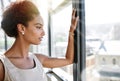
column 60, row 24
column 102, row 30
column 4, row 44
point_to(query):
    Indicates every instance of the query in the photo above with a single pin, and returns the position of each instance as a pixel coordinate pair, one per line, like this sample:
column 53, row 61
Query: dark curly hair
column 18, row 13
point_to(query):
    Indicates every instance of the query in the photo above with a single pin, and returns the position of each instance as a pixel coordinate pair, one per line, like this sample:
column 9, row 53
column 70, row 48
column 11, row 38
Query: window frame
column 79, row 43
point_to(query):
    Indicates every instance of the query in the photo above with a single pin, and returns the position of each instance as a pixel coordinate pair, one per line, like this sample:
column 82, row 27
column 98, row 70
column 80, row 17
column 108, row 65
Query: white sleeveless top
column 12, row 73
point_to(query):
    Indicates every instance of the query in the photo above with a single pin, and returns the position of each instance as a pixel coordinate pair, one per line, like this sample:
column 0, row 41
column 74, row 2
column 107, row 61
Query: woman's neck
column 19, row 49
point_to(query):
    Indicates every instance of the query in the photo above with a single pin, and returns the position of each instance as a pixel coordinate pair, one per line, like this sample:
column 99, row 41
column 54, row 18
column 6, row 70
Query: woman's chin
column 37, row 43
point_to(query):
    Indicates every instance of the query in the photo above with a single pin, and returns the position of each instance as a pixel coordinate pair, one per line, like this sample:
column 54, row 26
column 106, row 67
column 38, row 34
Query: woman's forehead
column 38, row 20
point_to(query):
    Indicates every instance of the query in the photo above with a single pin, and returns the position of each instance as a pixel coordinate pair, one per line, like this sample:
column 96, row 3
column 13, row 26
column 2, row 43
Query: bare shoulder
column 1, row 71
column 41, row 57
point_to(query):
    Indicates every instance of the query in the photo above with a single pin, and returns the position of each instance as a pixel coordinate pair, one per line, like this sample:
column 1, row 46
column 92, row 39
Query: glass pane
column 3, row 5
column 102, row 40
column 60, row 29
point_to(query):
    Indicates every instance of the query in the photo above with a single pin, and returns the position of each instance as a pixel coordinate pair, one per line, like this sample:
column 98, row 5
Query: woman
column 23, row 21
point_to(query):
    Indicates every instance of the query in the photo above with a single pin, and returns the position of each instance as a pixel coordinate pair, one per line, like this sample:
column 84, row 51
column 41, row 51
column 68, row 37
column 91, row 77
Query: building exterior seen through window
column 102, row 40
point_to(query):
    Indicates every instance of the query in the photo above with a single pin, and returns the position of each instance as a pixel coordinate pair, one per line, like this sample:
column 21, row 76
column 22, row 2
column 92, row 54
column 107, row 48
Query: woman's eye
column 38, row 27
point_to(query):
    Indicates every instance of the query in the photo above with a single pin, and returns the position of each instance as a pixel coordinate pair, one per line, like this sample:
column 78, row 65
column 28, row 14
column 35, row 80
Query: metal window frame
column 79, row 43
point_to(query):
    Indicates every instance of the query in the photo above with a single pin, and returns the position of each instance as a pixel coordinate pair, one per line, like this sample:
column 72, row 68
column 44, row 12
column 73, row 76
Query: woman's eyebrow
column 38, row 24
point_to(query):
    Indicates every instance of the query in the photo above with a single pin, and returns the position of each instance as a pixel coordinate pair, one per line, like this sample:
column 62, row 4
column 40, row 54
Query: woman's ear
column 21, row 28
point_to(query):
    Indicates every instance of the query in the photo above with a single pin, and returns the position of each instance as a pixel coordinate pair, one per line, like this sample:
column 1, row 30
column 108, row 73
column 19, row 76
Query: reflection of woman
column 22, row 21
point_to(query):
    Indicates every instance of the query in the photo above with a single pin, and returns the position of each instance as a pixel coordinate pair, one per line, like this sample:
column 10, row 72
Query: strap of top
column 37, row 61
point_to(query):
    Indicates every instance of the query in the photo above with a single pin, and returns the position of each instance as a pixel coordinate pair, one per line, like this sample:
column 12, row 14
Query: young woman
column 23, row 21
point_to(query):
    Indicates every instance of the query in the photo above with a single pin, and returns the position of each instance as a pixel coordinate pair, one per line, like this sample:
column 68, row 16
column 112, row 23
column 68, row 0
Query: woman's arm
column 59, row 62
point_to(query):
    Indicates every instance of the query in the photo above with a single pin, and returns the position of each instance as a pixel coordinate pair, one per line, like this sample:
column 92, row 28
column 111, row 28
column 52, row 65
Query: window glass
column 60, row 30
column 102, row 40
column 3, row 5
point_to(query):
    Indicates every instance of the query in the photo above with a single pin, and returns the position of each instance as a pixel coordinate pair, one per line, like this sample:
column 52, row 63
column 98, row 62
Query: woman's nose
column 43, row 33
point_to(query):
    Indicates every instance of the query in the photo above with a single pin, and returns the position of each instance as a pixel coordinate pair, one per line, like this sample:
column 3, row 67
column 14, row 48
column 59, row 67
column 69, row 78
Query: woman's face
column 34, row 32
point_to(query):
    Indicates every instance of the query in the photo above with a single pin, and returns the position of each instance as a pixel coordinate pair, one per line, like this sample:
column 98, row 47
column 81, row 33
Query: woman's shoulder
column 1, row 70
column 1, row 62
column 41, row 57
column 1, row 65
